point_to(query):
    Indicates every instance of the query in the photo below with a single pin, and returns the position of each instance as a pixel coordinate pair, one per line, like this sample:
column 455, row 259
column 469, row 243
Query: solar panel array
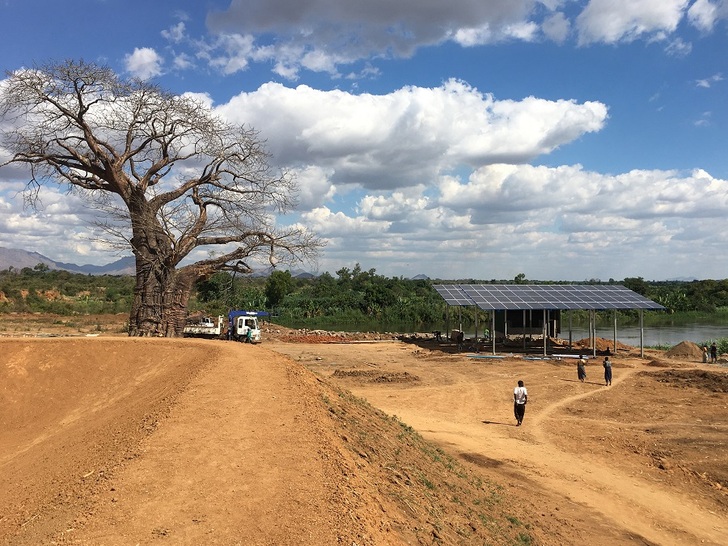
column 544, row 296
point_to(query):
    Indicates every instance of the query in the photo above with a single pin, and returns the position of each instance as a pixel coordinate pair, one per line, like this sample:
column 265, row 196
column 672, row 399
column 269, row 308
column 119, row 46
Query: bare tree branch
column 169, row 176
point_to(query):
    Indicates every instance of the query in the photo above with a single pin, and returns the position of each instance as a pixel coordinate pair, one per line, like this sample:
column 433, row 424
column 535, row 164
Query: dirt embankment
column 132, row 441
column 116, row 441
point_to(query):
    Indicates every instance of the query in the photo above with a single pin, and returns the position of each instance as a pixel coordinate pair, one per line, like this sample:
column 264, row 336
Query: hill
column 18, row 259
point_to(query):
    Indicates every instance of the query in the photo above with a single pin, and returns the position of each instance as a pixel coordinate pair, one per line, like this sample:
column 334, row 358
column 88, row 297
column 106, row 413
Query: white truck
column 205, row 327
column 243, row 326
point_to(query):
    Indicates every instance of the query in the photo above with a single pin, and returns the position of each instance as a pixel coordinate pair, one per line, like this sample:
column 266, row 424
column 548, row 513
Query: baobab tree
column 166, row 174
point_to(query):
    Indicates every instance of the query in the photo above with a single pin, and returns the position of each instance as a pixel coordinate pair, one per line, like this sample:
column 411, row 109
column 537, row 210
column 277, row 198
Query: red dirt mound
column 686, row 350
column 325, row 336
column 143, row 441
column 602, row 344
column 72, row 411
column 658, row 363
column 377, row 376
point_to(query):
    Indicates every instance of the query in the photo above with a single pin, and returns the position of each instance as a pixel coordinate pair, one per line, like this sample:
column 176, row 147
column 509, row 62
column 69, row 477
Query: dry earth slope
column 107, row 441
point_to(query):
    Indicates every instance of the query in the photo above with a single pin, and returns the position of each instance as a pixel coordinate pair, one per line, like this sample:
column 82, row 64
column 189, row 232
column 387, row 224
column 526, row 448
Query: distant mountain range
column 18, row 259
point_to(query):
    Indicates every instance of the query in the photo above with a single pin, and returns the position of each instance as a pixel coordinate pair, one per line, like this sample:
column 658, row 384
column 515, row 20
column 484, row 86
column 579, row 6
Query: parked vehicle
column 240, row 326
column 243, row 326
column 205, row 327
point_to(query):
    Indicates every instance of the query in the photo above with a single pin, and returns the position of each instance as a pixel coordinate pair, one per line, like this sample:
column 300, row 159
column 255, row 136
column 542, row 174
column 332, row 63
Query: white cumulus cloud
column 611, row 21
column 409, row 136
column 144, row 63
column 549, row 217
column 703, row 14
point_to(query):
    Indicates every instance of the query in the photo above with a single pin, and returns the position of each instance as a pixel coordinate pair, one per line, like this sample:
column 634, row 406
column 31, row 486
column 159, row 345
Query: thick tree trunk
column 160, row 301
column 161, row 294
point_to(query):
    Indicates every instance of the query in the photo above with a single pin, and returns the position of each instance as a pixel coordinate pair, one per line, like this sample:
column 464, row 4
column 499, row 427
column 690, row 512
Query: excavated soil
column 106, row 440
column 685, row 350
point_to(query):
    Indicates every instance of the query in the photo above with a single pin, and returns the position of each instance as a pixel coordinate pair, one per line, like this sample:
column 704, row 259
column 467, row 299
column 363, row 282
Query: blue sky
column 562, row 139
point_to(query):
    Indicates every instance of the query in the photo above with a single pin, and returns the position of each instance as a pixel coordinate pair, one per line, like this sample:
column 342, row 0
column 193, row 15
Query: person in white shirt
column 520, row 399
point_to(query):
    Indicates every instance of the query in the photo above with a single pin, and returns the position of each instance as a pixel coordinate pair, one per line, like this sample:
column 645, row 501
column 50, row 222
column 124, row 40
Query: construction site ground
column 358, row 440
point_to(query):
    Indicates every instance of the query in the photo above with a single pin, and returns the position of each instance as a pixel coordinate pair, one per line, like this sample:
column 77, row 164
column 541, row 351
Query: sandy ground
column 108, row 441
column 643, row 461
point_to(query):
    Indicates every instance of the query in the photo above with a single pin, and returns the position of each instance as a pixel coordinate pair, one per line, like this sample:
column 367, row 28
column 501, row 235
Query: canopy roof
column 544, row 296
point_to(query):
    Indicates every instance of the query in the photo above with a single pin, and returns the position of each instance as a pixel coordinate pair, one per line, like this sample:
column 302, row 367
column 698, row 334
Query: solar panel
column 453, row 295
column 544, row 296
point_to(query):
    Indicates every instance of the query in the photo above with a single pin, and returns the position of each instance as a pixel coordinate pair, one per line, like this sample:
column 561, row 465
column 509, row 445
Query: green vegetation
column 514, row 521
column 40, row 290
column 721, row 343
column 695, row 298
column 357, row 297
column 525, row 539
column 353, row 299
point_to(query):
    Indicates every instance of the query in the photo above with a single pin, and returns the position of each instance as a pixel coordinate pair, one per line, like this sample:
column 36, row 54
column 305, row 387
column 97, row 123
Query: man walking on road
column 607, row 371
column 520, row 399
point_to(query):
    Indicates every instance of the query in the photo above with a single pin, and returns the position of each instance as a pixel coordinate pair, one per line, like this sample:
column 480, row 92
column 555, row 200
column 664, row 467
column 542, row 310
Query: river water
column 663, row 336
column 656, row 335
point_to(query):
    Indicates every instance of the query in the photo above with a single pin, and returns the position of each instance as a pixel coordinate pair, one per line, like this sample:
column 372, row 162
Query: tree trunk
column 161, row 294
column 160, row 301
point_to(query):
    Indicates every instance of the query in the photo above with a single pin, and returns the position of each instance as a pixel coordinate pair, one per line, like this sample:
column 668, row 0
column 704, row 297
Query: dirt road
column 111, row 441
column 135, row 441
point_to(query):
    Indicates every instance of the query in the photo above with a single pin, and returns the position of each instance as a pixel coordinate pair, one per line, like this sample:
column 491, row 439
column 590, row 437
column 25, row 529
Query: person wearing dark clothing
column 520, row 399
column 713, row 353
column 607, row 371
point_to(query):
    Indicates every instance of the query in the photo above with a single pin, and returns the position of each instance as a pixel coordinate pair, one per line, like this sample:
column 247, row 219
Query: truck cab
column 243, row 326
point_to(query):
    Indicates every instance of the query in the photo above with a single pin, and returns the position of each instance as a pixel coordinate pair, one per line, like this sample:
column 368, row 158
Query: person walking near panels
column 607, row 371
column 520, row 399
column 581, row 368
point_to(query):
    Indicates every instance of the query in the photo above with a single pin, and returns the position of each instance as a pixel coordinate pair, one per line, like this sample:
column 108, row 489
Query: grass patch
column 524, row 538
column 427, row 483
column 514, row 521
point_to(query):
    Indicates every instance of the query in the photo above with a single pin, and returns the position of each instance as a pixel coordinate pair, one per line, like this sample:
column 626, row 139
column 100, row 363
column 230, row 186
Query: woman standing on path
column 607, row 371
column 520, row 399
column 581, row 368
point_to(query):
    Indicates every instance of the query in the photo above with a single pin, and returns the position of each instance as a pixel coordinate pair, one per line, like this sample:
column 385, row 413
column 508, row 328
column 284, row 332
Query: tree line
column 350, row 297
column 705, row 296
